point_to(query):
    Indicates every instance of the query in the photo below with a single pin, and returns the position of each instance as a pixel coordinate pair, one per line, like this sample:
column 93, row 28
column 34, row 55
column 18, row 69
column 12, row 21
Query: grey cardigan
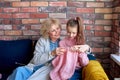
column 42, row 53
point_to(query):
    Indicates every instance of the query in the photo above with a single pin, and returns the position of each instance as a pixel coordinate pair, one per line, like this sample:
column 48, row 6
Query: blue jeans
column 20, row 73
column 77, row 75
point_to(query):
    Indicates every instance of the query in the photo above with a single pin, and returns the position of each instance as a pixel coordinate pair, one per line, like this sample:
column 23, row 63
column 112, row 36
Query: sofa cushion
column 14, row 51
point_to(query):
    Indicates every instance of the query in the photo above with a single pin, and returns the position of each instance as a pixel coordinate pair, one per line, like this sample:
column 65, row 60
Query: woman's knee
column 20, row 68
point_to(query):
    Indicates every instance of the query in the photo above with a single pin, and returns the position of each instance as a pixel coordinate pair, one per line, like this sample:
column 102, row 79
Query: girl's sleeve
column 42, row 52
column 83, row 59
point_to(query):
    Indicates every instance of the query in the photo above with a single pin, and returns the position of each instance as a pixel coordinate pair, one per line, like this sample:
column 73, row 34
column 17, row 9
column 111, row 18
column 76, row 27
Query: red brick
column 88, row 21
column 104, row 0
column 5, row 27
column 119, row 43
column 35, row 27
column 58, row 3
column 109, row 4
column 21, row 27
column 76, row 4
column 22, row 37
column 97, row 49
column 89, row 33
column 116, row 23
column 21, row 15
column 13, row 32
column 31, row 32
column 1, row 27
column 99, row 28
column 89, row 27
column 107, row 39
column 30, row 21
column 107, row 50
column 9, row 10
column 115, row 28
column 115, row 16
column 11, row 0
column 107, row 28
column 95, row 4
column 63, row 33
column 0, row 9
column 38, row 15
column 104, row 22
column 85, row 10
column 1, row 32
column 117, row 9
column 63, row 21
column 5, row 15
column 116, row 42
column 98, row 44
column 16, row 21
column 102, row 33
column 108, row 16
column 36, row 37
column 85, row 0
column 63, row 26
column 6, row 37
column 118, row 30
column 57, row 15
column 116, row 35
column 96, row 39
column 6, row 21
column 20, row 4
column 29, row 9
column 38, row 3
column 71, row 10
column 103, row 10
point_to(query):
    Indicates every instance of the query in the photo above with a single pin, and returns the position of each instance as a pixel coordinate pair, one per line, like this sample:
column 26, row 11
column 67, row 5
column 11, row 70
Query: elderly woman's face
column 54, row 32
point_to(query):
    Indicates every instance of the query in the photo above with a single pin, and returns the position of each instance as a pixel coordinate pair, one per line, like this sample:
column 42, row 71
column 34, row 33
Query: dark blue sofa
column 16, row 53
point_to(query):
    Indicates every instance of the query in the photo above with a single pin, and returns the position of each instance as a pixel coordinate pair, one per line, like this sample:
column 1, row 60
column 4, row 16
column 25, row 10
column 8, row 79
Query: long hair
column 80, row 38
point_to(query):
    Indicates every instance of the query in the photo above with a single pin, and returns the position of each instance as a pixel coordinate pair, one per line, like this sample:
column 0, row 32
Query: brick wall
column 115, row 45
column 21, row 19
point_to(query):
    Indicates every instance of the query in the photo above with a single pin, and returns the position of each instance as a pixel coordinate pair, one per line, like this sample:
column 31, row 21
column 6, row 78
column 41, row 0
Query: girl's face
column 72, row 32
column 54, row 32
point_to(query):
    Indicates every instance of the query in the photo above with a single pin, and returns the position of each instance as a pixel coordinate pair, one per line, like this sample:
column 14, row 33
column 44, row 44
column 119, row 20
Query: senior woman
column 46, row 49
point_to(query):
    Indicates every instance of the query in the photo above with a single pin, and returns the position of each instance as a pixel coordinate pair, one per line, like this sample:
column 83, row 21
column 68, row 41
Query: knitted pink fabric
column 65, row 65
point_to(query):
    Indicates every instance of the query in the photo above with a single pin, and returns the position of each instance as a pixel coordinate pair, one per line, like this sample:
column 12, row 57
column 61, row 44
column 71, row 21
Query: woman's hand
column 58, row 51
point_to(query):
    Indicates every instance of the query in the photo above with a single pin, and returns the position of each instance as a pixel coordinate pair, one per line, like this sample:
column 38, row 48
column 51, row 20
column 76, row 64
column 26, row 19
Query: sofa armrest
column 94, row 71
column 14, row 51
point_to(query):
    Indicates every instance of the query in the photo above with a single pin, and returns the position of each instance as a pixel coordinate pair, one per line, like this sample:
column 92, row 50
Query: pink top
column 65, row 65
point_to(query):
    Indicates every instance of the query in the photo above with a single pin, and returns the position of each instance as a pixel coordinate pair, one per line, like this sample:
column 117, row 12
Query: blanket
column 94, row 71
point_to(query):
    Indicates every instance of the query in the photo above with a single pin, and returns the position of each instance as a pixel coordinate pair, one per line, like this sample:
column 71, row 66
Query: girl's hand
column 84, row 48
column 80, row 48
column 59, row 51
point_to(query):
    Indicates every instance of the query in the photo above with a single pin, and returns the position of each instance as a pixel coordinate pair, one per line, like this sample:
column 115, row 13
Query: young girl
column 68, row 65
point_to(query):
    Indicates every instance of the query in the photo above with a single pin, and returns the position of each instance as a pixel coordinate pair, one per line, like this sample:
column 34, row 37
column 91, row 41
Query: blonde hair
column 46, row 25
column 80, row 38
